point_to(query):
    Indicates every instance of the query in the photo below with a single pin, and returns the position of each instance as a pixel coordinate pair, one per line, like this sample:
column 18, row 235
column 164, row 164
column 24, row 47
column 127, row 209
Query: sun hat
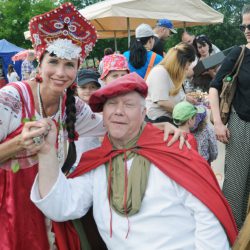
column 113, row 62
column 122, row 85
column 85, row 76
column 143, row 30
column 167, row 24
column 62, row 31
column 183, row 111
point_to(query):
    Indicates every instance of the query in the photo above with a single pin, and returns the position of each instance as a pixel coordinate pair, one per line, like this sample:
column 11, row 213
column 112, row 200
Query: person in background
column 187, row 37
column 114, row 66
column 163, row 30
column 2, row 79
column 165, row 83
column 204, row 49
column 140, row 57
column 12, row 74
column 107, row 51
column 184, row 114
column 27, row 65
column 87, row 83
column 128, row 193
column 236, row 135
column 205, row 136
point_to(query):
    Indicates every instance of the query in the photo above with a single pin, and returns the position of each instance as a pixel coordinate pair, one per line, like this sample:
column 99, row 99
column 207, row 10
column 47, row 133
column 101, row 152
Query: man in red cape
column 144, row 194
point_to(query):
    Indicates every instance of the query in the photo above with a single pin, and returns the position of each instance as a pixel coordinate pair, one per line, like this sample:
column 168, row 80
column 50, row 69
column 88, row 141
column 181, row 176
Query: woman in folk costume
column 61, row 38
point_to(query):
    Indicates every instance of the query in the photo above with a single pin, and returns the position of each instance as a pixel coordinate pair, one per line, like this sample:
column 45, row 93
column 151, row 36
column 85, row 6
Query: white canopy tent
column 118, row 18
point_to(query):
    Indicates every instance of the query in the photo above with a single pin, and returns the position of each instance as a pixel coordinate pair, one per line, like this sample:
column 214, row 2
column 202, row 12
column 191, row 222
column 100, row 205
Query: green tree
column 222, row 35
column 15, row 15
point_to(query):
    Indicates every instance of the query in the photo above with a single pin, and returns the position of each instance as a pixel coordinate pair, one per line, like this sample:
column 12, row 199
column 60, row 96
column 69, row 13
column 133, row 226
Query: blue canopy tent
column 7, row 50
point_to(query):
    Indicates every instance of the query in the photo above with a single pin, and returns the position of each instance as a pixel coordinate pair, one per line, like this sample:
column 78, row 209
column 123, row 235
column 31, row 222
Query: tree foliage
column 222, row 35
column 15, row 15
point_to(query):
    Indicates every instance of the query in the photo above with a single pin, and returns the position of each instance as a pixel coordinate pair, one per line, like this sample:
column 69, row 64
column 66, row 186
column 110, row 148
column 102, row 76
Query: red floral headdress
column 64, row 32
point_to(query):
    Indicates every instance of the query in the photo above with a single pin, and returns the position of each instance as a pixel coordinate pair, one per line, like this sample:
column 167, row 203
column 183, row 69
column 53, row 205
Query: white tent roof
column 116, row 16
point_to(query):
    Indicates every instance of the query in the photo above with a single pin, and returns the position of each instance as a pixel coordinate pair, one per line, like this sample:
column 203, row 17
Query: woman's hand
column 222, row 132
column 38, row 136
column 177, row 135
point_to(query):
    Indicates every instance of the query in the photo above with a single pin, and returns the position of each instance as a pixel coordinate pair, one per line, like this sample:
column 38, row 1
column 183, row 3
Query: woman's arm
column 10, row 148
column 221, row 130
column 167, row 105
column 11, row 112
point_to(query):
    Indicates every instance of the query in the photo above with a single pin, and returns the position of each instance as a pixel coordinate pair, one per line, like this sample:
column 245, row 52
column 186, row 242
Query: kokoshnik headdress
column 64, row 32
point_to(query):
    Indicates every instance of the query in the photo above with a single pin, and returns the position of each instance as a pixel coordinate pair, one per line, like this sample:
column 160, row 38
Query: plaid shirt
column 27, row 68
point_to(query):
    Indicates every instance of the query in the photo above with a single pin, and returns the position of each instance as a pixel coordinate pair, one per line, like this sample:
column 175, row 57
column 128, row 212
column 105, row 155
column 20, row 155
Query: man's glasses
column 244, row 26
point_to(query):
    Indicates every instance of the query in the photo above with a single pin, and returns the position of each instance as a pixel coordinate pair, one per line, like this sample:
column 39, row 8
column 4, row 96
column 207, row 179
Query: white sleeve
column 209, row 233
column 159, row 83
column 88, row 123
column 67, row 200
column 10, row 110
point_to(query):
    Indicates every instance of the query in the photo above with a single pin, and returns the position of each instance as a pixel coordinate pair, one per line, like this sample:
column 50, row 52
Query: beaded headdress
column 64, row 32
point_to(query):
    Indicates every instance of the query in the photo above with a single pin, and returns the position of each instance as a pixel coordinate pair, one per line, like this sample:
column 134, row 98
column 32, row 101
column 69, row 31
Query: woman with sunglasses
column 236, row 135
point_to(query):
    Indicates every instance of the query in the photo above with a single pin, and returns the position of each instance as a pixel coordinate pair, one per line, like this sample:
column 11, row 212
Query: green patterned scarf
column 135, row 180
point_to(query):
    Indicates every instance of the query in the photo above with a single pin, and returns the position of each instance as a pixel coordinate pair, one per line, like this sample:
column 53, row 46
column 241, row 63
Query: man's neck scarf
column 126, row 189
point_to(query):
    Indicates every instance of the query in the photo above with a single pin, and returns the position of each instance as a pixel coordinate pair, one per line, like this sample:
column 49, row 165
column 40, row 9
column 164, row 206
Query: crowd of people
column 82, row 143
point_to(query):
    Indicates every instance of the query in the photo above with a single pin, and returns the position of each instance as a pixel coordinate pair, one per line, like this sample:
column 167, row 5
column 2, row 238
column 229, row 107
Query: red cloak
column 186, row 167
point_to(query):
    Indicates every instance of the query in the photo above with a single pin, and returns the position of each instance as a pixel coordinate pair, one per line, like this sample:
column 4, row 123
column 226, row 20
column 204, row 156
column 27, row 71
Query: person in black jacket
column 236, row 135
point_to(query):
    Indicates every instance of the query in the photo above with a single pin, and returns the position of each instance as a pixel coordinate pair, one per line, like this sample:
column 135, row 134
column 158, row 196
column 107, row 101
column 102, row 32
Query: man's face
column 186, row 38
column 123, row 116
column 165, row 33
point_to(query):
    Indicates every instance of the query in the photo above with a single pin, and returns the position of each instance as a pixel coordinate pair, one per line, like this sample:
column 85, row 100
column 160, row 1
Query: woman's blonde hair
column 175, row 62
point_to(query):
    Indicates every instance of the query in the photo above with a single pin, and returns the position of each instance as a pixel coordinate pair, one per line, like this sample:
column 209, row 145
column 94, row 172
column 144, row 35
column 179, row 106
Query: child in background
column 114, row 66
column 184, row 114
column 205, row 137
column 87, row 83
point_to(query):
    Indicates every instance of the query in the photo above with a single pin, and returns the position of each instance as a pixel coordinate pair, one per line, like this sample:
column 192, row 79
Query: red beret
column 122, row 85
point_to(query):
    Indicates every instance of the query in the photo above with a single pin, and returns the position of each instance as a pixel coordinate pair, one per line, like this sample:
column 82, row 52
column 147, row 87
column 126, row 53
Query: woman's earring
column 38, row 78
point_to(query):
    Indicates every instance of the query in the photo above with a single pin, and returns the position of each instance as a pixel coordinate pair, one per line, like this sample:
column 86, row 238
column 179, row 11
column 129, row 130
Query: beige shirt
column 159, row 85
